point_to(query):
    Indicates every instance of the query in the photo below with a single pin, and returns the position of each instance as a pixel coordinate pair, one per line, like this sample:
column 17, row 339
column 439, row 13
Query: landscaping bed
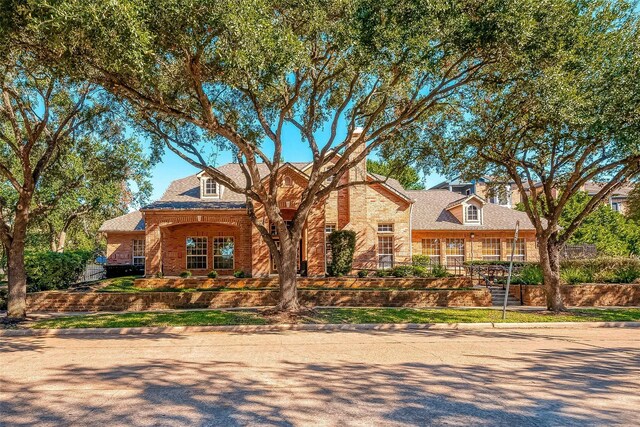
column 332, row 316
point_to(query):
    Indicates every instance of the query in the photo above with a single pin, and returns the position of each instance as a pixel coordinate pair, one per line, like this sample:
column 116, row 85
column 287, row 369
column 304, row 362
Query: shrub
column 402, row 271
column 54, row 270
column 212, row 274
column 575, row 275
column 343, row 244
column 421, row 260
column 439, row 270
column 529, row 275
column 363, row 273
column 3, row 298
column 185, row 274
column 382, row 273
column 159, row 275
column 420, row 271
column 239, row 274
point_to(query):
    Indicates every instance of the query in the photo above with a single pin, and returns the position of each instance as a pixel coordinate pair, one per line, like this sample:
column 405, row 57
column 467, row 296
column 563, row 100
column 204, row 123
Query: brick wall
column 119, row 247
column 91, row 302
column 585, row 295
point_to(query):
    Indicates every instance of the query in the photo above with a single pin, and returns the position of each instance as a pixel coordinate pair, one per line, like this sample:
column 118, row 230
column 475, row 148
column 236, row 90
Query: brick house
column 198, row 225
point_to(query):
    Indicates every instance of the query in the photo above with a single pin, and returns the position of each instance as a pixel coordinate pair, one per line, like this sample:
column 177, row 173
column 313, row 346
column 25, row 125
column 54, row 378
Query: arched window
column 473, row 214
column 287, row 181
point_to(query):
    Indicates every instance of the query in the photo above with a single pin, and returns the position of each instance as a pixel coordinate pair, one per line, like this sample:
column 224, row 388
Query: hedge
column 343, row 245
column 54, row 270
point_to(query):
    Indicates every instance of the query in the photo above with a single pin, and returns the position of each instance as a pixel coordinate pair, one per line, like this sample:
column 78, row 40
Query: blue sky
column 173, row 167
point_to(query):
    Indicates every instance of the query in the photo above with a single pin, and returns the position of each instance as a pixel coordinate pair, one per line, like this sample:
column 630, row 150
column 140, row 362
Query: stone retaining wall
column 305, row 282
column 584, row 295
column 115, row 301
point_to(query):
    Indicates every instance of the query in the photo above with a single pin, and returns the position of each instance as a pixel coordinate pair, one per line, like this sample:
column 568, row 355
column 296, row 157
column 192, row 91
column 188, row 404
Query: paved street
column 468, row 378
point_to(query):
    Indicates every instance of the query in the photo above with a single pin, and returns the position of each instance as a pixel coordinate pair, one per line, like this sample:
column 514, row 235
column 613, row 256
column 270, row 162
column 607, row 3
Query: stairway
column 497, row 297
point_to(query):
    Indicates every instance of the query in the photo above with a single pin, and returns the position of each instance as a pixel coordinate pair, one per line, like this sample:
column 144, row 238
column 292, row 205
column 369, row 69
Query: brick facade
column 120, row 245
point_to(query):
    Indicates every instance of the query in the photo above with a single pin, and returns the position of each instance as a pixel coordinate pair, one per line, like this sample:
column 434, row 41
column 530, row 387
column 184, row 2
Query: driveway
column 467, row 378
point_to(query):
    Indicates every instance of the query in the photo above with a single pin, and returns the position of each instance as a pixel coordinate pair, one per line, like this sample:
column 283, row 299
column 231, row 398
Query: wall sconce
column 473, row 235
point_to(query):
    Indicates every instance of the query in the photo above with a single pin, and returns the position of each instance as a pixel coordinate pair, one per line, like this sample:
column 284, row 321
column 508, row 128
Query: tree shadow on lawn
column 549, row 387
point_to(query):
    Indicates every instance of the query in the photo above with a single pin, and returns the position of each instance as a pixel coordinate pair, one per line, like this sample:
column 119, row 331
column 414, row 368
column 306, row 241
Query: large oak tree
column 565, row 112
column 244, row 74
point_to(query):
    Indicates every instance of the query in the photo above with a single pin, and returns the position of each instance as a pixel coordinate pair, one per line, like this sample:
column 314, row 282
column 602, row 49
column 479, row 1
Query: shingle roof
column 593, row 188
column 184, row 193
column 463, row 199
column 132, row 221
column 430, row 213
column 392, row 183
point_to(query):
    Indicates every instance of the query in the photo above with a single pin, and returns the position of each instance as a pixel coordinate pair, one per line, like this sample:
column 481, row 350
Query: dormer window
column 287, row 181
column 209, row 188
column 472, row 214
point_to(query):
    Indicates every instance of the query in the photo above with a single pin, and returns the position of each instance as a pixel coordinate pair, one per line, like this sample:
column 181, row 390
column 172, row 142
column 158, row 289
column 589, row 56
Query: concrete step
column 497, row 297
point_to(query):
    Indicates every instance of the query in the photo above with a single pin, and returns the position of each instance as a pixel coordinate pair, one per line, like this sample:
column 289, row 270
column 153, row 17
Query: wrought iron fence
column 579, row 251
column 92, row 272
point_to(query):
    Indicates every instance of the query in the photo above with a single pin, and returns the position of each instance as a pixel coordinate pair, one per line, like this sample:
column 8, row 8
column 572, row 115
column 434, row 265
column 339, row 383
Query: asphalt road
column 494, row 377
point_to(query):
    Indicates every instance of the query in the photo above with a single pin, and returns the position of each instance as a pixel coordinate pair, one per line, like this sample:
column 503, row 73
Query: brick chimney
column 359, row 171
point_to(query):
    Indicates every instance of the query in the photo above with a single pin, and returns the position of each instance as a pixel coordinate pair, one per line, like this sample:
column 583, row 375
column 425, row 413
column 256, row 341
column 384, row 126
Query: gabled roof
column 430, row 212
column 465, row 199
column 132, row 221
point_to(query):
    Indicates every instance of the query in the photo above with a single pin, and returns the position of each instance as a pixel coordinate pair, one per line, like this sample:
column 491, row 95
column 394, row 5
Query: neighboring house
column 509, row 196
column 503, row 194
column 198, row 225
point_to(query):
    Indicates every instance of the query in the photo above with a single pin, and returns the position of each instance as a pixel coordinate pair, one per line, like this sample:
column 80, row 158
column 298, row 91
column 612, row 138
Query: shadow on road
column 546, row 387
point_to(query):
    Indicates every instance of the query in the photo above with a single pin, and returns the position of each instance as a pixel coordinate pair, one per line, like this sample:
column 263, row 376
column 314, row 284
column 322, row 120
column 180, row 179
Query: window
column 385, row 228
column 223, row 253
column 274, row 230
column 473, row 214
column 287, row 181
column 519, row 253
column 431, row 248
column 491, row 249
column 196, row 253
column 454, row 251
column 138, row 252
column 615, row 206
column 209, row 187
column 385, row 252
column 328, row 229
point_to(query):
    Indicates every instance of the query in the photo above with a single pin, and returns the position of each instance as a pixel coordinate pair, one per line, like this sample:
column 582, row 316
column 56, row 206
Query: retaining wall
column 93, row 301
column 583, row 295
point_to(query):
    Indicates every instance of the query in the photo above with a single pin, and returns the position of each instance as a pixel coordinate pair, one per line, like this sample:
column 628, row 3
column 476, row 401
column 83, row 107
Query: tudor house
column 199, row 225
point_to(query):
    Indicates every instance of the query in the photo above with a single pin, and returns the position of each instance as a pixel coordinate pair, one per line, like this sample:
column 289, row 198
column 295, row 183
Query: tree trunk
column 287, row 271
column 17, row 277
column 62, row 240
column 550, row 265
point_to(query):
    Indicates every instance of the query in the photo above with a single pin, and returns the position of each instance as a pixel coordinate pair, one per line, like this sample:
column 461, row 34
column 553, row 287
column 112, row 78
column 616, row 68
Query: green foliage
column 382, row 273
column 611, row 232
column 212, row 274
column 402, row 271
column 499, row 262
column 405, row 174
column 363, row 273
column 185, row 274
column 343, row 244
column 54, row 270
column 439, row 270
column 601, row 270
column 420, row 271
column 239, row 274
column 421, row 260
column 531, row 274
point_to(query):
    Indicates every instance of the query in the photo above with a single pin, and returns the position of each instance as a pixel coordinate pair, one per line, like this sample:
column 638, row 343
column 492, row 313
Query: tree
column 404, row 173
column 94, row 180
column 240, row 74
column 563, row 113
column 40, row 116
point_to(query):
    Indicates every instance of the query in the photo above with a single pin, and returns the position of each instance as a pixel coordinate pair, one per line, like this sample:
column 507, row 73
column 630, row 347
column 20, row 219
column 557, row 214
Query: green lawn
column 333, row 316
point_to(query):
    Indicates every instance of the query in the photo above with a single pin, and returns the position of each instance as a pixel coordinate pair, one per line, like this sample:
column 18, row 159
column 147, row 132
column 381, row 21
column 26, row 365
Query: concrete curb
column 312, row 327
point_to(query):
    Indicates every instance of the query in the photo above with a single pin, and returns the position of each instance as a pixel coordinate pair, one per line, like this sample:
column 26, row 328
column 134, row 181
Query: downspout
column 411, row 232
